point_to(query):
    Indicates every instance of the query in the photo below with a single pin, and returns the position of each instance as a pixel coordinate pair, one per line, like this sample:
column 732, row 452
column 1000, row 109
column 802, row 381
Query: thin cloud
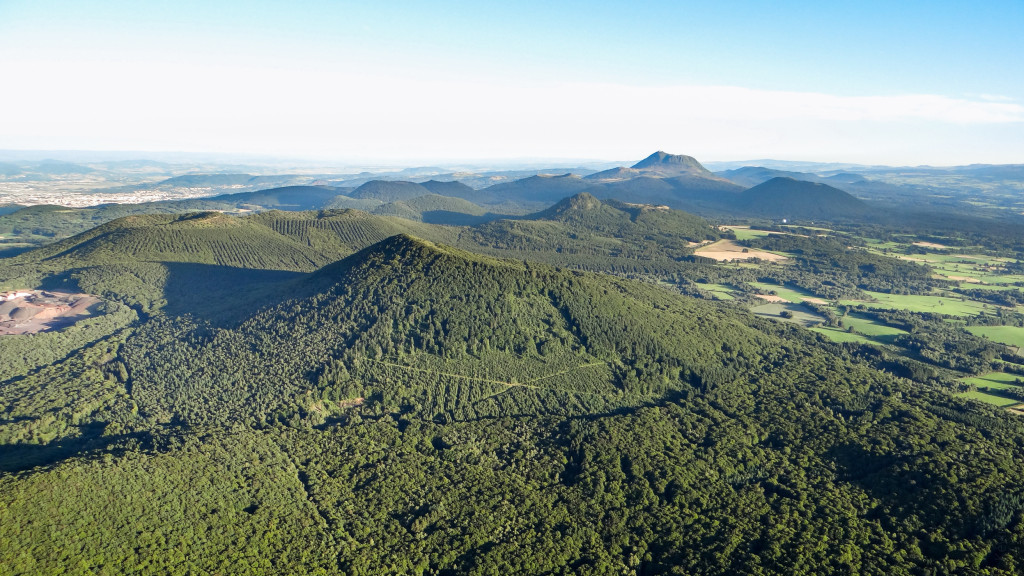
column 329, row 112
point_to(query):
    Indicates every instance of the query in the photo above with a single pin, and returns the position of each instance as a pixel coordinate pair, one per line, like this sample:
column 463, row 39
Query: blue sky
column 873, row 82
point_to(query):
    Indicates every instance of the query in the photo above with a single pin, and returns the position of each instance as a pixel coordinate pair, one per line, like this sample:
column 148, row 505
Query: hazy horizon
column 899, row 85
column 227, row 159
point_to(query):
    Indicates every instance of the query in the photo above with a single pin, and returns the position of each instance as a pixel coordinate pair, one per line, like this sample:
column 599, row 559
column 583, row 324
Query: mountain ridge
column 672, row 164
column 785, row 197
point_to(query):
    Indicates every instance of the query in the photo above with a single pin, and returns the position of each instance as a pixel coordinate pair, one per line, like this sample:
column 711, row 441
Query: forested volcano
column 337, row 391
column 415, row 407
column 674, row 164
column 467, row 336
column 783, row 197
column 133, row 257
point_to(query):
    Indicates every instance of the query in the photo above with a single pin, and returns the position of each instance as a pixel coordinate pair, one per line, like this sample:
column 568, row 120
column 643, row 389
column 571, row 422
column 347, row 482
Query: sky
column 895, row 83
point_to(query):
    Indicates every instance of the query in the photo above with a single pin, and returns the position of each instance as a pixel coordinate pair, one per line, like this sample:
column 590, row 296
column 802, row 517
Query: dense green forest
column 571, row 391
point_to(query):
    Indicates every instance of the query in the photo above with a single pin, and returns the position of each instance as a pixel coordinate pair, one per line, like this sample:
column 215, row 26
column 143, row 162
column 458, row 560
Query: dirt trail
column 453, row 375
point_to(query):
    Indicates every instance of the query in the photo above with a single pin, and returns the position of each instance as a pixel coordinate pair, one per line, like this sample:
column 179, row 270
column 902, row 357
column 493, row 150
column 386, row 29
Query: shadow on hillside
column 905, row 484
column 91, row 444
column 224, row 295
column 449, row 218
column 10, row 251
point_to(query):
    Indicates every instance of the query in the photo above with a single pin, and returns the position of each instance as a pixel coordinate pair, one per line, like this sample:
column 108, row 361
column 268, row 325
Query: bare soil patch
column 965, row 279
column 931, row 245
column 771, row 298
column 813, row 300
column 34, row 311
column 726, row 250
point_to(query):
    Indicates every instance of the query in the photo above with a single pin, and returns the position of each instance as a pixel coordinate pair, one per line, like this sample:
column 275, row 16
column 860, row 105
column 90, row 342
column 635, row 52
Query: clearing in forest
column 34, row 311
column 953, row 306
column 1012, row 336
column 727, row 250
column 990, row 389
column 786, row 293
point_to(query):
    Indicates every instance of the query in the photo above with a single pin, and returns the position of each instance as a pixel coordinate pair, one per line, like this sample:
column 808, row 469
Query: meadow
column 994, row 381
column 1012, row 336
column 921, row 303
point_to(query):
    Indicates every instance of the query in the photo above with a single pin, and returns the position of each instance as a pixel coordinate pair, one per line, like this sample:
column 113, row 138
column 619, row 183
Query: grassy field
column 866, row 331
column 999, row 380
column 728, row 250
column 794, row 295
column 914, row 303
column 990, row 399
column 878, row 246
column 995, row 380
column 979, row 269
column 801, row 315
column 799, row 226
column 993, row 287
column 876, row 331
column 747, row 233
column 1012, row 336
column 719, row 291
column 841, row 335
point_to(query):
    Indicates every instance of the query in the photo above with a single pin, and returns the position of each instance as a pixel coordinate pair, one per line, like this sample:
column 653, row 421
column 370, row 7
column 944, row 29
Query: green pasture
column 875, row 243
column 999, row 380
column 877, row 331
column 794, row 295
column 993, row 287
column 989, row 399
column 818, row 228
column 801, row 315
column 995, row 380
column 747, row 233
column 916, row 303
column 967, row 265
column 841, row 335
column 865, row 331
column 1009, row 335
column 719, row 291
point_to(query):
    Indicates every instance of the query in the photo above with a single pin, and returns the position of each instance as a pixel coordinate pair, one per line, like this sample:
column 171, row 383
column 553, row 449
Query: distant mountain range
column 675, row 181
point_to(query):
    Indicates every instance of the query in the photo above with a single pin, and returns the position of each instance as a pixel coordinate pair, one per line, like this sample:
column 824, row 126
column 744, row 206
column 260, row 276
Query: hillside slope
column 584, row 232
column 672, row 165
column 389, row 190
column 418, row 408
column 455, row 333
column 436, row 209
column 151, row 261
column 543, row 188
column 783, row 197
